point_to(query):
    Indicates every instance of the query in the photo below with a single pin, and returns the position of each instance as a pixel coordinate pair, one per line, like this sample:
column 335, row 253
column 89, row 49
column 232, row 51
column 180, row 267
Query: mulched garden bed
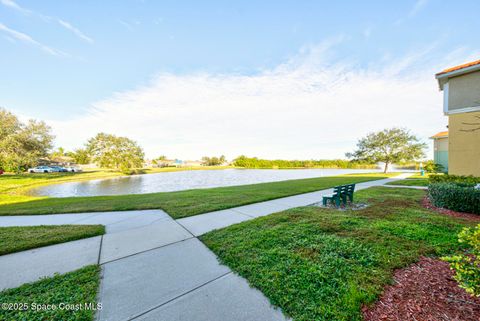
column 468, row 216
column 424, row 291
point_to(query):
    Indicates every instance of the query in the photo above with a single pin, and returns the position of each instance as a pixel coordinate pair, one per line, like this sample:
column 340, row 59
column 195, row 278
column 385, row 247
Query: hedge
column 457, row 179
column 455, row 197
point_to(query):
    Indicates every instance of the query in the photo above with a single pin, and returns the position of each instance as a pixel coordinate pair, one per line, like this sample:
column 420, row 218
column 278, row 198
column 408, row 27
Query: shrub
column 432, row 167
column 455, row 197
column 467, row 265
column 457, row 179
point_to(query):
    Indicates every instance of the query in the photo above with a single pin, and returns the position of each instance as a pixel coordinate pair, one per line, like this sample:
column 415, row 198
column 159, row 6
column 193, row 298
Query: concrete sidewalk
column 203, row 223
column 127, row 233
column 153, row 267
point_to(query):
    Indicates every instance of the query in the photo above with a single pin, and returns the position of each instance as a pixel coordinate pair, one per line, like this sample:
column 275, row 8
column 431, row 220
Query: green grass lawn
column 185, row 203
column 21, row 238
column 419, row 175
column 324, row 264
column 77, row 287
column 411, row 182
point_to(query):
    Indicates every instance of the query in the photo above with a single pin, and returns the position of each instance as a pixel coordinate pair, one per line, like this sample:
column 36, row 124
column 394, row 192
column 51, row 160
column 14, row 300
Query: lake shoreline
column 171, row 181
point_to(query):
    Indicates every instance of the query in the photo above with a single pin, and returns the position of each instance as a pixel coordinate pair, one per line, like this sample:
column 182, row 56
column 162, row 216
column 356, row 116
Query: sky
column 273, row 79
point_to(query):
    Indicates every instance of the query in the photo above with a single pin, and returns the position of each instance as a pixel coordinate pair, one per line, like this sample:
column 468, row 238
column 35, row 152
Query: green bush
column 457, row 179
column 467, row 265
column 432, row 167
column 455, row 197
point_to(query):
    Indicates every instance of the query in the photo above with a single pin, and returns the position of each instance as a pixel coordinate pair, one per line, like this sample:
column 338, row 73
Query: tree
column 58, row 155
column 115, row 152
column 59, row 152
column 213, row 161
column 80, row 156
column 22, row 144
column 431, row 167
column 389, row 146
column 160, row 161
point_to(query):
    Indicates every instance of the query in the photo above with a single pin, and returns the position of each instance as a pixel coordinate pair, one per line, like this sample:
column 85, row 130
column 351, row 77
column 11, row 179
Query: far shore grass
column 185, row 203
column 20, row 238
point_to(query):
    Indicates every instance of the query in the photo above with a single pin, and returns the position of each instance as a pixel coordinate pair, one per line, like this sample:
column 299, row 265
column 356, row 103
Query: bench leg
column 337, row 202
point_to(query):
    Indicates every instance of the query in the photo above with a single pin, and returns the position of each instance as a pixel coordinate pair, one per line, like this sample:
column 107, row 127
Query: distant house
column 175, row 163
column 461, row 103
column 440, row 149
column 192, row 163
column 170, row 163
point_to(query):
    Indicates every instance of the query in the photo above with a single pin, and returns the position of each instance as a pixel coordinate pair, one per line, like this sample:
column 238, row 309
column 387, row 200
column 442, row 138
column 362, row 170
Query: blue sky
column 190, row 66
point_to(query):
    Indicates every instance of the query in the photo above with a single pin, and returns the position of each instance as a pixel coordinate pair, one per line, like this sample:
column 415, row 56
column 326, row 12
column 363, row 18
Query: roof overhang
column 443, row 76
column 440, row 135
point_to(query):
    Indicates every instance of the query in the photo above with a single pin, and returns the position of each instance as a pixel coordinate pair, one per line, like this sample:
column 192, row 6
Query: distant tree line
column 213, row 161
column 254, row 162
column 25, row 144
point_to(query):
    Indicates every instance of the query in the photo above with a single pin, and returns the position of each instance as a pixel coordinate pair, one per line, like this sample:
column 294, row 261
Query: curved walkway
column 154, row 267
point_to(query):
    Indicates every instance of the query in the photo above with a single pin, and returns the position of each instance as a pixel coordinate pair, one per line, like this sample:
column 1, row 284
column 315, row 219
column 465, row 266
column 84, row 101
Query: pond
column 183, row 180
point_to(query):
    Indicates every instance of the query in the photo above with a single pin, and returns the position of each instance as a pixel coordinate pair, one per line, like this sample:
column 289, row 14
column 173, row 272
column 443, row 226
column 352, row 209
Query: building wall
column 440, row 152
column 464, row 144
column 441, row 144
column 464, row 91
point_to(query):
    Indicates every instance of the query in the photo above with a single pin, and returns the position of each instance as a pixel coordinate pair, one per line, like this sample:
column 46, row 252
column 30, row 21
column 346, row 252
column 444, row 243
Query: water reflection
column 175, row 181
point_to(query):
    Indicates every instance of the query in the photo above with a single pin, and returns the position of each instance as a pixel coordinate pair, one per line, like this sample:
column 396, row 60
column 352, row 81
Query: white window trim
column 463, row 110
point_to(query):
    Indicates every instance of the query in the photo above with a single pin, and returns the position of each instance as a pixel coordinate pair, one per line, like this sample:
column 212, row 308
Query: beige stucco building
column 461, row 103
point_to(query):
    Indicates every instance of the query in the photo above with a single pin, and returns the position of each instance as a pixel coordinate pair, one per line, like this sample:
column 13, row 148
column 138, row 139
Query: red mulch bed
column 468, row 216
column 424, row 291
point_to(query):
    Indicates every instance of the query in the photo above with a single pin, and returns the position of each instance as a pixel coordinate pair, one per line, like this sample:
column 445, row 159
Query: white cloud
column 308, row 107
column 29, row 40
column 126, row 24
column 417, row 7
column 65, row 24
column 77, row 32
column 14, row 5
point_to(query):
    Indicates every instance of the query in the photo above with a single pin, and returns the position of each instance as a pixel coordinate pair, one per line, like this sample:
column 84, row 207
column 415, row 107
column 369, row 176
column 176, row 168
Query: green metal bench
column 349, row 192
column 341, row 194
